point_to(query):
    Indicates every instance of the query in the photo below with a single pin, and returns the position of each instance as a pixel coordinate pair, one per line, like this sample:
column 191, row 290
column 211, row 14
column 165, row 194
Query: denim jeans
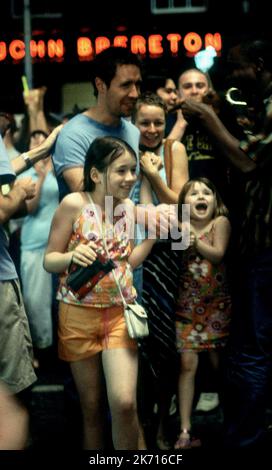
column 249, row 357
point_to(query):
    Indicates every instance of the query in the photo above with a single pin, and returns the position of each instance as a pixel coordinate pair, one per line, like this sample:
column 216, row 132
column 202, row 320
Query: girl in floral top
column 92, row 331
column 203, row 306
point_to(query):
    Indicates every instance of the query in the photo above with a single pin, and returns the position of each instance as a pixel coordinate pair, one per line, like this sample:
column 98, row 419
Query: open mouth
column 201, row 206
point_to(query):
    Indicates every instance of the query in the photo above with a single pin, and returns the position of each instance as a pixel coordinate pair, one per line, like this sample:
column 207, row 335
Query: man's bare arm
column 74, row 178
column 19, row 164
column 226, row 142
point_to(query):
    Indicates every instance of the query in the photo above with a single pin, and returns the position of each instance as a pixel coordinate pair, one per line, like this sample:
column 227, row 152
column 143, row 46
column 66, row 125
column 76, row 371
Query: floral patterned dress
column 204, row 304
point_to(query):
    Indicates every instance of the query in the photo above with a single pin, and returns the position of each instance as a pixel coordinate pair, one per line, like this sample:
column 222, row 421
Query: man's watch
column 27, row 160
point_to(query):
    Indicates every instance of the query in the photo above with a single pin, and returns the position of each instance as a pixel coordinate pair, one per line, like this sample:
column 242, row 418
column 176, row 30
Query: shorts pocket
column 16, row 290
column 63, row 313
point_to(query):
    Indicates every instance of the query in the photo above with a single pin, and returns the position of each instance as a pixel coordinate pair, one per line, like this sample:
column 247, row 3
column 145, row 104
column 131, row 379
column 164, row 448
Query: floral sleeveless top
column 105, row 293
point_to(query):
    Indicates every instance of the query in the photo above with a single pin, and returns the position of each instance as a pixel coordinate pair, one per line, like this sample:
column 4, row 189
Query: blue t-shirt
column 36, row 226
column 76, row 137
column 7, row 175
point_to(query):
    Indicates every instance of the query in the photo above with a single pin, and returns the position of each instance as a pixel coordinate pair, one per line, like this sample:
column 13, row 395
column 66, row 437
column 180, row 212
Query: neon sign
column 53, row 49
column 154, row 45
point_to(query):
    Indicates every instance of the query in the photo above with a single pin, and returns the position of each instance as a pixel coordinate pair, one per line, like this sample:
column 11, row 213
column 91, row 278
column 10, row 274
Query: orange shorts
column 85, row 331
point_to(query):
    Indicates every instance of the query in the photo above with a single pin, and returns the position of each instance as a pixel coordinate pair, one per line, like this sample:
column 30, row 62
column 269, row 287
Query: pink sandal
column 185, row 441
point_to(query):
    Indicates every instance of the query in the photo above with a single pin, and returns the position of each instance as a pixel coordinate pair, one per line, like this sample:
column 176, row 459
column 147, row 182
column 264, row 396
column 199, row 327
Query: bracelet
column 27, row 160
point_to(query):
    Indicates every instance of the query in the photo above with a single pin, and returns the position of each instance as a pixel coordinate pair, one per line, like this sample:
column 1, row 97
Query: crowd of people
column 148, row 153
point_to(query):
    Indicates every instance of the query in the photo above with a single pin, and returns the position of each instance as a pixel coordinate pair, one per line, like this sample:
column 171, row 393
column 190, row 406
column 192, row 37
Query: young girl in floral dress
column 204, row 305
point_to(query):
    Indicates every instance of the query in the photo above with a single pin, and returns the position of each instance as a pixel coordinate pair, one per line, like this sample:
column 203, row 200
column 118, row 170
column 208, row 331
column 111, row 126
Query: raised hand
column 28, row 185
column 150, row 163
column 34, row 99
column 161, row 220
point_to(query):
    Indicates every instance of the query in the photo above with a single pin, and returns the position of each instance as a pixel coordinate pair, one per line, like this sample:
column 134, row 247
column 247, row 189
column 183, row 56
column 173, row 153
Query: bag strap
column 168, row 157
column 106, row 248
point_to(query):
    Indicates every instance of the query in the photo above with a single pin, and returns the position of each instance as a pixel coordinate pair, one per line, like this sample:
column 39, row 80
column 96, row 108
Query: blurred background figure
column 203, row 156
column 34, row 236
column 166, row 89
column 168, row 93
column 16, row 140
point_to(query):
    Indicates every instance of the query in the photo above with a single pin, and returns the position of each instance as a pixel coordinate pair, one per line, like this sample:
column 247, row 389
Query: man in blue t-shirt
column 116, row 78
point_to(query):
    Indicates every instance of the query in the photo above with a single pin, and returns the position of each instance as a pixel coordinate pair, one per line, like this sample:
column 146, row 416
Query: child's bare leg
column 87, row 376
column 121, row 370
